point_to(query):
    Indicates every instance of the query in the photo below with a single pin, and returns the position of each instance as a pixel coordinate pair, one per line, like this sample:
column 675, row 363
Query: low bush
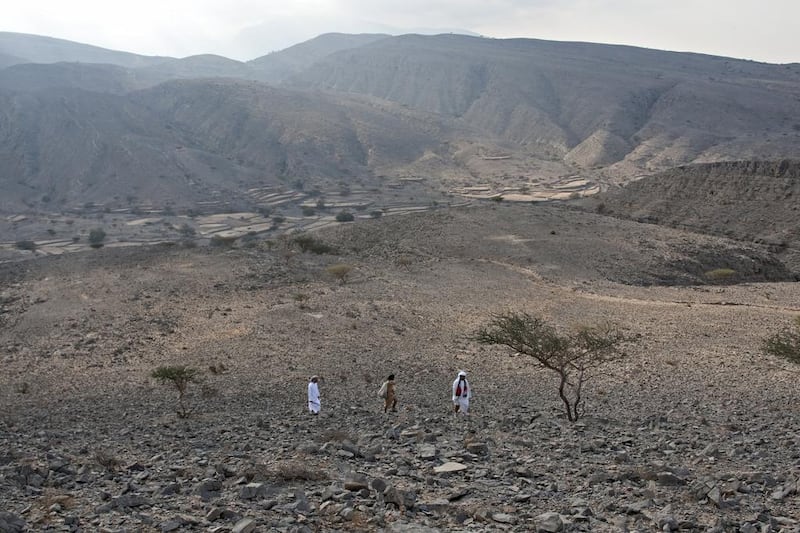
column 720, row 274
column 786, row 343
column 340, row 272
column 308, row 243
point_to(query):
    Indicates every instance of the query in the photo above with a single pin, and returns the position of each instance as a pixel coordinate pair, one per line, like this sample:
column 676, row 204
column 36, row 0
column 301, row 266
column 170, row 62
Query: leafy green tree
column 574, row 357
column 179, row 376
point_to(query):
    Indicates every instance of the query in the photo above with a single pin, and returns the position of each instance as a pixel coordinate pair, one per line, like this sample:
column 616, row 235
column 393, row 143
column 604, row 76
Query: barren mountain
column 612, row 112
column 180, row 142
column 41, row 49
column 748, row 200
column 627, row 109
column 277, row 66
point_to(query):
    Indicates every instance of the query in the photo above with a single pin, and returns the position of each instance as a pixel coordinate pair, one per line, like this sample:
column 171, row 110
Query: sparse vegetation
column 308, row 243
column 179, row 376
column 297, row 471
column 309, row 211
column 720, row 274
column 186, row 230
column 786, row 343
column 25, row 245
column 340, row 272
column 573, row 357
column 107, row 460
column 345, row 216
column 96, row 237
column 223, row 241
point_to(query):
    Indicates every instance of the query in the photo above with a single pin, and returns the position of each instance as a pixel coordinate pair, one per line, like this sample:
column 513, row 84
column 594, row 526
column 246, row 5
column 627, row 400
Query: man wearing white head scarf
column 462, row 392
column 313, row 396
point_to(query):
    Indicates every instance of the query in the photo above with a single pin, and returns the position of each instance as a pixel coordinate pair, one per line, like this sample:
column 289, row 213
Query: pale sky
column 762, row 30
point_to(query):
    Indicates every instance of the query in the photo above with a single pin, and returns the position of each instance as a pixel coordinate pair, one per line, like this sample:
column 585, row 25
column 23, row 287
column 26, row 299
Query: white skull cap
column 462, row 373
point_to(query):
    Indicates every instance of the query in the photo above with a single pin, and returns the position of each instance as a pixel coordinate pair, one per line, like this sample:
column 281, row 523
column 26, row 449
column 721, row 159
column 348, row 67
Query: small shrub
column 25, row 245
column 309, row 211
column 340, row 272
column 497, row 198
column 96, row 237
column 720, row 274
column 226, row 242
column 180, row 377
column 307, row 243
column 107, row 461
column 297, row 471
column 186, row 230
column 344, row 216
column 786, row 343
column 376, row 214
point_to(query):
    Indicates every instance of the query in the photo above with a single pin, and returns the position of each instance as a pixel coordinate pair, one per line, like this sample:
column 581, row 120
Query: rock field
column 696, row 430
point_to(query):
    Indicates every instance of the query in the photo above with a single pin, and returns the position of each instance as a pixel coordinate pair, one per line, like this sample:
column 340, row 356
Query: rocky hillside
column 277, row 66
column 694, row 431
column 181, row 141
column 466, row 111
column 627, row 109
column 748, row 200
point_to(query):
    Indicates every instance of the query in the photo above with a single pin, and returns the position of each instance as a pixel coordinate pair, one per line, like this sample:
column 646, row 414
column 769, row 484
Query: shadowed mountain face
column 186, row 140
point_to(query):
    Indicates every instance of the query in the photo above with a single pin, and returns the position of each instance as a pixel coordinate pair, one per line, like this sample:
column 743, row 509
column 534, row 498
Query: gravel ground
column 696, row 430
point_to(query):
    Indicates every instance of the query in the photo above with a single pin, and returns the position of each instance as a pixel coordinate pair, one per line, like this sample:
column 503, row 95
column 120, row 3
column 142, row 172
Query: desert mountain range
column 654, row 192
column 82, row 124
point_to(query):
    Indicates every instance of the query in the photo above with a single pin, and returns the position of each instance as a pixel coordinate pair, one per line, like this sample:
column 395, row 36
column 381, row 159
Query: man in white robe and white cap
column 462, row 392
column 313, row 396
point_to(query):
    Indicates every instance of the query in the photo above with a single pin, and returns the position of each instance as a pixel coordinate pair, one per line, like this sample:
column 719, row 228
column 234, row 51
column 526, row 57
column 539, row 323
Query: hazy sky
column 764, row 30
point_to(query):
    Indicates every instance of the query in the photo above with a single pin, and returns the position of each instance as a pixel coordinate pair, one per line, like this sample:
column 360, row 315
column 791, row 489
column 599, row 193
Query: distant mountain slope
column 199, row 66
column 592, row 105
column 183, row 140
column 7, row 60
column 40, row 49
column 746, row 200
column 277, row 66
column 102, row 78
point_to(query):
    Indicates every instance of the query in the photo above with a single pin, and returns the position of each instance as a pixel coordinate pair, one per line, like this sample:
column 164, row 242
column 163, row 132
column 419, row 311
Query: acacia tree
column 180, row 377
column 574, row 357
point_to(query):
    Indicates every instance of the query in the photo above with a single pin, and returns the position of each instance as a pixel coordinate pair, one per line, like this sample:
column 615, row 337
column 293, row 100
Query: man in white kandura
column 313, row 395
column 462, row 392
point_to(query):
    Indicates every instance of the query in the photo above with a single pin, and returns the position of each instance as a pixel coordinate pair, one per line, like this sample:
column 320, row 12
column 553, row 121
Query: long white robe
column 313, row 397
column 462, row 400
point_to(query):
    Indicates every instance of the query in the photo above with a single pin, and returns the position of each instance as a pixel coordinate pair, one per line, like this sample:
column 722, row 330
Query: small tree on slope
column 180, row 377
column 575, row 357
